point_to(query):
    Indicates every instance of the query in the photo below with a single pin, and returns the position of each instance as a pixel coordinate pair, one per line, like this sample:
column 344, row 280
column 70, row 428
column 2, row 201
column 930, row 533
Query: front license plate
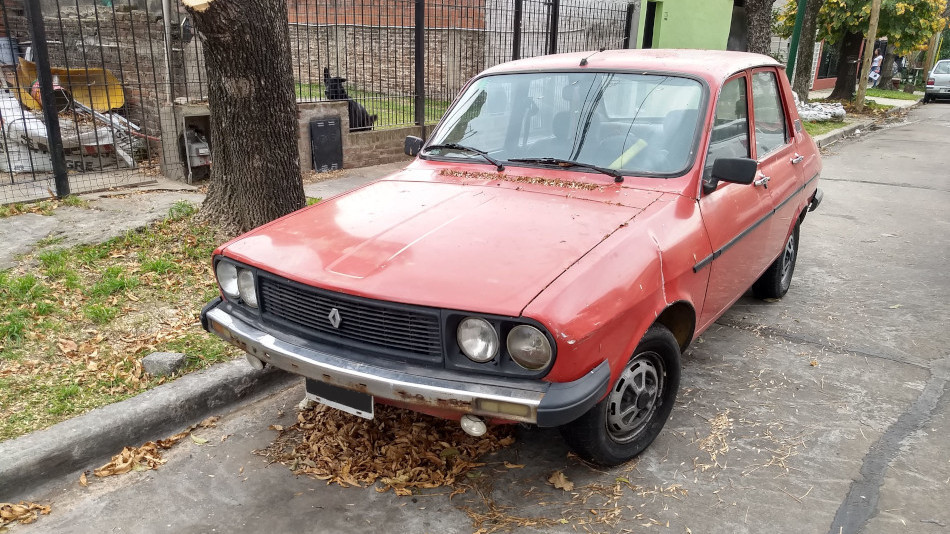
column 353, row 402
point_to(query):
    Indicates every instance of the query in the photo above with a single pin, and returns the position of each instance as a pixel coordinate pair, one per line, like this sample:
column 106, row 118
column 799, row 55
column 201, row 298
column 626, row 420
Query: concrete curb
column 86, row 441
column 826, row 139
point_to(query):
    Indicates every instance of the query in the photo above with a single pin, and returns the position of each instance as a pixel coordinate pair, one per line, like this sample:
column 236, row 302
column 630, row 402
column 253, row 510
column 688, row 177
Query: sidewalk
column 896, row 102
column 856, row 125
column 89, row 440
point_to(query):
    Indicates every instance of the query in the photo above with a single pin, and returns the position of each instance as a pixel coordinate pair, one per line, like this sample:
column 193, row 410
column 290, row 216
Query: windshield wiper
column 463, row 148
column 618, row 177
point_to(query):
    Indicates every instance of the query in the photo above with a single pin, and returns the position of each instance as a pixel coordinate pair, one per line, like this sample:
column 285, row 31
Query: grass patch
column 818, row 128
column 77, row 321
column 889, row 93
column 311, row 200
column 42, row 207
column 391, row 110
column 100, row 314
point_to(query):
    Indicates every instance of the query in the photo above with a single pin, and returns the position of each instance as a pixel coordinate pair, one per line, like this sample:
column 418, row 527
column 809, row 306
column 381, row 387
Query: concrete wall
column 701, row 24
column 360, row 149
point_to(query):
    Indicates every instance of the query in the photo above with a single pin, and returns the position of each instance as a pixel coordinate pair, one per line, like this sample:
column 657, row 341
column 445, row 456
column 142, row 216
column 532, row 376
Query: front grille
column 394, row 328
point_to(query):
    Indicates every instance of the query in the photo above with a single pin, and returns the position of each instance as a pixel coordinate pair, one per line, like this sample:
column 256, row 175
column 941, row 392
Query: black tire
column 775, row 281
column 602, row 435
column 926, row 99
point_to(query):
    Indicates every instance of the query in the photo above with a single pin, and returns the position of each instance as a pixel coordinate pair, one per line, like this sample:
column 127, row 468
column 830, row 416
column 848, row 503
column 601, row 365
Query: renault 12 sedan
column 570, row 226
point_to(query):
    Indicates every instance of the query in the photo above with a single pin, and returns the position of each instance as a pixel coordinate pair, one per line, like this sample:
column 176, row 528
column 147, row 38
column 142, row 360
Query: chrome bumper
column 530, row 401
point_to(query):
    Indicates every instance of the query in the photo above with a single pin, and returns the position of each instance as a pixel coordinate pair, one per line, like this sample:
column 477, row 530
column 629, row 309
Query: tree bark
column 847, row 66
column 887, row 67
column 805, row 63
column 758, row 14
column 255, row 172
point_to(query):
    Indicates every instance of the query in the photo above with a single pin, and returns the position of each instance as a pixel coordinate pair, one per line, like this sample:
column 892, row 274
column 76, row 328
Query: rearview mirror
column 413, row 145
column 733, row 170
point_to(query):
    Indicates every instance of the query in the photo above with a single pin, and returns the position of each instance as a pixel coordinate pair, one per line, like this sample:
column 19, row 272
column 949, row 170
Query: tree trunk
column 887, row 68
column 255, row 172
column 805, row 62
column 758, row 14
column 847, row 66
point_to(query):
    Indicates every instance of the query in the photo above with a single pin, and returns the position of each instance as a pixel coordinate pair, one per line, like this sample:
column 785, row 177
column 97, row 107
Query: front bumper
column 546, row 404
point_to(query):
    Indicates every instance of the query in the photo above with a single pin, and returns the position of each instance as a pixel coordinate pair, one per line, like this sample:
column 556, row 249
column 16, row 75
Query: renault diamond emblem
column 335, row 318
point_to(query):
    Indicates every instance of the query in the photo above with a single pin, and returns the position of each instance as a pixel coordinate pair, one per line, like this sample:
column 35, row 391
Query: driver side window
column 730, row 131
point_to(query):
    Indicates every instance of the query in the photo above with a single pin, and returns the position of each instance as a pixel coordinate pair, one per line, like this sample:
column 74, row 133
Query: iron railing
column 114, row 76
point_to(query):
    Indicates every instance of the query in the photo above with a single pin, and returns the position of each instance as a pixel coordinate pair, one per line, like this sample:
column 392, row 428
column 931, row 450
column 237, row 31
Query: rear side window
column 730, row 131
column 770, row 131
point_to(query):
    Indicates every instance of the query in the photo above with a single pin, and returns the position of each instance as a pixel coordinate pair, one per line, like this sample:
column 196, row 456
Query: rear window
column 942, row 67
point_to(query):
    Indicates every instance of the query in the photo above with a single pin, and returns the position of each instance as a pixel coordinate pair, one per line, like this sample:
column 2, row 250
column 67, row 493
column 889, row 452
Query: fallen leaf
column 894, row 307
column 558, row 480
column 513, row 466
column 199, row 441
column 276, row 427
column 67, row 346
column 82, row 480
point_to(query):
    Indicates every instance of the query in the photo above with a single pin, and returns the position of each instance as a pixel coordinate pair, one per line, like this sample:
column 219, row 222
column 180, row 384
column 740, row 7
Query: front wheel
column 775, row 281
column 632, row 414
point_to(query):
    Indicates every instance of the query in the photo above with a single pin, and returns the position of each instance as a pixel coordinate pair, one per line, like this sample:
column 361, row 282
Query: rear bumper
column 532, row 401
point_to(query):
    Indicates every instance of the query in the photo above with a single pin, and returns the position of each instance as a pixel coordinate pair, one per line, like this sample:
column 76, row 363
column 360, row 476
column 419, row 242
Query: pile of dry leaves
column 401, row 449
column 147, row 456
column 25, row 512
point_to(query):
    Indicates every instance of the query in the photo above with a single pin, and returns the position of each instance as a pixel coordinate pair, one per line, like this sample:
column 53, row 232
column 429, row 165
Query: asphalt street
column 824, row 412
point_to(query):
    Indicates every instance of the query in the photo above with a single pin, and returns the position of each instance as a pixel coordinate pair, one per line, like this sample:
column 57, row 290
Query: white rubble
column 819, row 111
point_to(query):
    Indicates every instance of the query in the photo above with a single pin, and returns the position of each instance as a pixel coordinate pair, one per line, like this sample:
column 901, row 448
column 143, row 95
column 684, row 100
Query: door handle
column 797, row 159
column 763, row 181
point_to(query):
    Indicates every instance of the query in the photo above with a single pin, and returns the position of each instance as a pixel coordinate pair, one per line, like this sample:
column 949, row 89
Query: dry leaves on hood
column 149, row 455
column 402, row 449
column 25, row 512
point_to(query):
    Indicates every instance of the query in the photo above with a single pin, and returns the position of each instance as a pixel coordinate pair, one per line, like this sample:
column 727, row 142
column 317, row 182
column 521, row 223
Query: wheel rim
column 635, row 397
column 788, row 261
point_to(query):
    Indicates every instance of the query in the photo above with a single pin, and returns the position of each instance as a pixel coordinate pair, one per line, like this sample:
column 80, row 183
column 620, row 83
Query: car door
column 780, row 169
column 736, row 216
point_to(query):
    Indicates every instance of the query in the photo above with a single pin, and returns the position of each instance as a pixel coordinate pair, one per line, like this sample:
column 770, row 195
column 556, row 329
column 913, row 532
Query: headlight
column 529, row 347
column 227, row 279
column 477, row 339
column 245, row 283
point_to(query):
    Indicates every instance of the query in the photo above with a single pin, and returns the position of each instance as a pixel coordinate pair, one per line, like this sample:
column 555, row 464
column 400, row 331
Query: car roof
column 714, row 65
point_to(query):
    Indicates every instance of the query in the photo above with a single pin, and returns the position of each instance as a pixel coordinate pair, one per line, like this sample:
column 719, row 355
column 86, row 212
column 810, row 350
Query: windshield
column 632, row 123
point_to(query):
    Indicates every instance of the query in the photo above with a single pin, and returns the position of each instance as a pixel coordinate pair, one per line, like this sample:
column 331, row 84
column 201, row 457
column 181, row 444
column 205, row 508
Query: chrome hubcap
column 635, row 397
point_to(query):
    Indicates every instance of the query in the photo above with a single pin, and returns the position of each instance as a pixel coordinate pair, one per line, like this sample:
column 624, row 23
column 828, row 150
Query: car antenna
column 584, row 59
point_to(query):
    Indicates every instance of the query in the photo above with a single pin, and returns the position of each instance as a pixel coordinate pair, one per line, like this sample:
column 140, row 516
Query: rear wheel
column 632, row 414
column 776, row 280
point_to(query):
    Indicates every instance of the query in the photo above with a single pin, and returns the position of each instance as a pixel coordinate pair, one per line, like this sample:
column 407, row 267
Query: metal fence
column 123, row 81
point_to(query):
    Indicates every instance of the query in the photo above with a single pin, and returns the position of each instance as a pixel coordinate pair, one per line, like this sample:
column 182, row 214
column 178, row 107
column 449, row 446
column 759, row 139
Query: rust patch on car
column 452, row 404
column 534, row 180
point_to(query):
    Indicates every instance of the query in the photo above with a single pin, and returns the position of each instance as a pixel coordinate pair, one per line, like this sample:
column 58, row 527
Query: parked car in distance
column 938, row 81
column 572, row 224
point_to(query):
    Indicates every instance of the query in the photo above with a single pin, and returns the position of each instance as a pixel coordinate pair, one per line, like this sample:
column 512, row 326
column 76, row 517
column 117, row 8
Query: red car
column 570, row 226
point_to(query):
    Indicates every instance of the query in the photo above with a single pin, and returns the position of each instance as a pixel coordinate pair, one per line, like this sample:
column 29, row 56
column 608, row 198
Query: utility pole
column 796, row 35
column 868, row 53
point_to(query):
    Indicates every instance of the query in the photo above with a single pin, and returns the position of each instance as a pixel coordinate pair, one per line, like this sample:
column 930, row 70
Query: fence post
column 552, row 26
column 628, row 26
column 420, row 86
column 516, row 31
column 34, row 14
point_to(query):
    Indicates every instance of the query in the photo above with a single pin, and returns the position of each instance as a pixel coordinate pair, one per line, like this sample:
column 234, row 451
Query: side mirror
column 733, row 170
column 413, row 145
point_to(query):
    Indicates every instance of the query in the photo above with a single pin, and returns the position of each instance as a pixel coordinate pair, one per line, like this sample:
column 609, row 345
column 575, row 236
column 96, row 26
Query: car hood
column 489, row 248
